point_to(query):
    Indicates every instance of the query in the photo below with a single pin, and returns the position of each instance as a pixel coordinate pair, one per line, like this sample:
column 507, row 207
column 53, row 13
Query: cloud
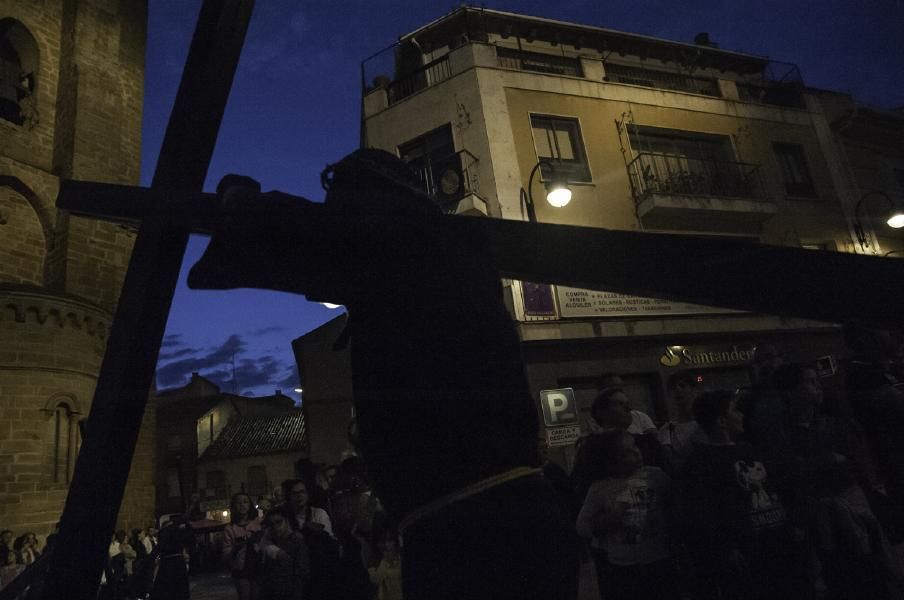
column 176, row 353
column 251, row 375
column 175, row 373
column 173, row 339
column 266, row 330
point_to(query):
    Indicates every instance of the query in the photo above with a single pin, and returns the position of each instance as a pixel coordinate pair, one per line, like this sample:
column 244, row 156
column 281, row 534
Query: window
column 672, row 161
column 215, row 484
column 430, row 156
column 18, row 68
column 62, row 444
column 257, row 481
column 558, row 140
column 795, row 173
column 687, row 144
column 173, row 483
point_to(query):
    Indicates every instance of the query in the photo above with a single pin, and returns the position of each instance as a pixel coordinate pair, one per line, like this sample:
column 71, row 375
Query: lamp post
column 895, row 217
column 557, row 192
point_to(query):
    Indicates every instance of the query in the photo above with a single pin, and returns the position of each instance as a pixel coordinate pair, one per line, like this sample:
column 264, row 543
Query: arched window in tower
column 63, row 443
column 18, row 73
column 64, row 437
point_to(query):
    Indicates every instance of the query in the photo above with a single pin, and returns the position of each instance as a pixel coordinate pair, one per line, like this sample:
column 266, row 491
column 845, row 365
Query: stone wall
column 60, row 276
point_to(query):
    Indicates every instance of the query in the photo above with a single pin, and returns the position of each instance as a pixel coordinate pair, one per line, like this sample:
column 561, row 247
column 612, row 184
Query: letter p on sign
column 559, row 407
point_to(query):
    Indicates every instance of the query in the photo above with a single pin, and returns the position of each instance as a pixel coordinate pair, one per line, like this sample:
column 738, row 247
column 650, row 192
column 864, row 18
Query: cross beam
column 829, row 286
column 103, row 464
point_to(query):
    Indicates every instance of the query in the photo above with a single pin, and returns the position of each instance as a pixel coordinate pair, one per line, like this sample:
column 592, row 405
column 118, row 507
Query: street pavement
column 212, row 586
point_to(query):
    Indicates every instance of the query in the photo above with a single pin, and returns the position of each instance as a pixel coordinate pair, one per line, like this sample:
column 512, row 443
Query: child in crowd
column 237, row 538
column 624, row 514
column 734, row 525
column 286, row 567
column 387, row 575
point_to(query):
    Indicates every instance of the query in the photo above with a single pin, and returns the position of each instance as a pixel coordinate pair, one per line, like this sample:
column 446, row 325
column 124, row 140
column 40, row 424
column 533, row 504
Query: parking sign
column 559, row 407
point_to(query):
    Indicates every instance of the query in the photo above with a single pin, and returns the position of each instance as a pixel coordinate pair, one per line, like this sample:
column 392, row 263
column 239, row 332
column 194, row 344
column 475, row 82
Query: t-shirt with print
column 643, row 538
column 727, row 500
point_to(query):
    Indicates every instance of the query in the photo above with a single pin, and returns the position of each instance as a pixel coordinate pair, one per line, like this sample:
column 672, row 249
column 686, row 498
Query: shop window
column 18, row 70
column 558, row 140
column 795, row 172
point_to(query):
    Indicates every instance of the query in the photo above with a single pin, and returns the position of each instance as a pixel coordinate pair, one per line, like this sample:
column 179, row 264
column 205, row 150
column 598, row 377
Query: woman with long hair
column 245, row 524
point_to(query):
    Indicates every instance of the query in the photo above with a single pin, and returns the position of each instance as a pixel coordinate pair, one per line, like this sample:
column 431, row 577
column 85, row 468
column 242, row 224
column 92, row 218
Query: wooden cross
column 103, row 463
column 834, row 287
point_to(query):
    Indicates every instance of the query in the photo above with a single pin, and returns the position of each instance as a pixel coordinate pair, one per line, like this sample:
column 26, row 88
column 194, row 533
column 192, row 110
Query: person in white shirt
column 624, row 514
column 296, row 494
column 612, row 410
column 679, row 435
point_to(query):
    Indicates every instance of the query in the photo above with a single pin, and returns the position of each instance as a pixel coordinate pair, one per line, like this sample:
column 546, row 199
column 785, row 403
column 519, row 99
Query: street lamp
column 895, row 217
column 557, row 192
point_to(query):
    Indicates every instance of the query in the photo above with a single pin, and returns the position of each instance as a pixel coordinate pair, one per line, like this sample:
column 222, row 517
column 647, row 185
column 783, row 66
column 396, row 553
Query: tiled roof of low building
column 250, row 436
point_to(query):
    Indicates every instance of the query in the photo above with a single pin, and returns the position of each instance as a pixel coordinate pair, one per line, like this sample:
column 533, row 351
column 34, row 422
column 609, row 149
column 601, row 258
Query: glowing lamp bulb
column 896, row 221
column 330, row 305
column 225, row 513
column 559, row 196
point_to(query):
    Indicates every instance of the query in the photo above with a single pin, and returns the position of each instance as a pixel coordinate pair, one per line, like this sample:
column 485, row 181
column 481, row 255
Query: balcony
column 678, row 192
column 430, row 74
column 453, row 182
column 511, row 58
column 662, row 80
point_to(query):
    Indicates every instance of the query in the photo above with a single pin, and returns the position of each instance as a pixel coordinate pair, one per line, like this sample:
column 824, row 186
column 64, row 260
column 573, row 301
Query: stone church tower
column 71, row 91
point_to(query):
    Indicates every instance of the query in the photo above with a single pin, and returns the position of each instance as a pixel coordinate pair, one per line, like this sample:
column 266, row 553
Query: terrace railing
column 430, row 74
column 653, row 173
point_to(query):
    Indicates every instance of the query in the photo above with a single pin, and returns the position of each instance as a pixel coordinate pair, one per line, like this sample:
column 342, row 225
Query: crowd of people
column 781, row 489
column 321, row 537
column 16, row 553
column 132, row 561
column 786, row 488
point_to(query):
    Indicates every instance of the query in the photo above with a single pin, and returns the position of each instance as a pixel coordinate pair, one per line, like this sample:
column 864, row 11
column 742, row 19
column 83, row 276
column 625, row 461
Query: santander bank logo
column 669, row 358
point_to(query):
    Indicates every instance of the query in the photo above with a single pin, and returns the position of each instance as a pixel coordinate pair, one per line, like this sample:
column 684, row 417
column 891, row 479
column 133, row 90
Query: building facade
column 326, row 375
column 71, row 93
column 212, row 444
column 652, row 135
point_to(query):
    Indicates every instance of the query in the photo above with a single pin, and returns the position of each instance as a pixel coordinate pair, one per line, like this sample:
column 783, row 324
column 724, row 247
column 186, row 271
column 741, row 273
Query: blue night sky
column 295, row 106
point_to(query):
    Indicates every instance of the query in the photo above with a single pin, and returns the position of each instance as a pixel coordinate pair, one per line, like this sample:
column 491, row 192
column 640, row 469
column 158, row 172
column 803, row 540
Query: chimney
column 702, row 39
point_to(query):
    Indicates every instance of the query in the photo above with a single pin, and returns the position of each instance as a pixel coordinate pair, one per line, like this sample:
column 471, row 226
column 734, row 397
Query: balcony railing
column 511, row 58
column 662, row 80
column 673, row 174
column 776, row 94
column 430, row 74
column 778, row 84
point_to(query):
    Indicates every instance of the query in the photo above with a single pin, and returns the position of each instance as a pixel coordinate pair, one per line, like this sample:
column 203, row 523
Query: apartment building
column 651, row 135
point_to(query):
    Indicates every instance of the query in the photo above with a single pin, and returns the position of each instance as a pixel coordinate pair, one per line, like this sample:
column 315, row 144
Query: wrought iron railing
column 430, row 74
column 778, row 84
column 662, row 80
column 777, row 94
column 653, row 173
column 512, row 58
column 451, row 178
